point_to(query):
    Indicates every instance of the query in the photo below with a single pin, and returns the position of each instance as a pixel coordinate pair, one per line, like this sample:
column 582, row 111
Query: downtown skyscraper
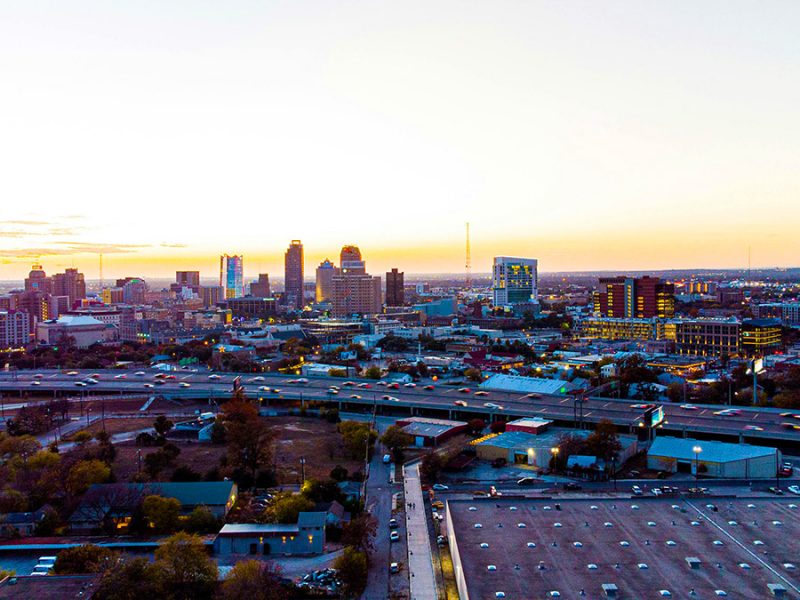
column 293, row 274
column 233, row 280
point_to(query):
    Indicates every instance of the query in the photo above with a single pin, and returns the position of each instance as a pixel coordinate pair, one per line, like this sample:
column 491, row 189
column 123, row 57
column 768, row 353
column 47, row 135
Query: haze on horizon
column 613, row 135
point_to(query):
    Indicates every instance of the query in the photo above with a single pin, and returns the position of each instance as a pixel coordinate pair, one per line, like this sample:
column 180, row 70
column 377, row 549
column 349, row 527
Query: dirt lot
column 200, row 457
column 316, row 440
column 114, row 426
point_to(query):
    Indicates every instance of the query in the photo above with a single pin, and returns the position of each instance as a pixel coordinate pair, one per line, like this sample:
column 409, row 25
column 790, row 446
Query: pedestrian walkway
column 420, row 565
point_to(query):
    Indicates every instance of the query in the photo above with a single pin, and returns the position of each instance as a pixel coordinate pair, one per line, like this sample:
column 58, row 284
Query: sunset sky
column 589, row 135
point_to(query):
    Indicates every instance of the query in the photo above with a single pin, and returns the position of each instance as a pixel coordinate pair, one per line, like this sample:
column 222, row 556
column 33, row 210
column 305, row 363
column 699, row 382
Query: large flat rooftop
column 641, row 545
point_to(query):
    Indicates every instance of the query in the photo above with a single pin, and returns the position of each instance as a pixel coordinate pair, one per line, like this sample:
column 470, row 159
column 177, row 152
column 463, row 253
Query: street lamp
column 303, row 470
column 554, row 450
column 697, row 450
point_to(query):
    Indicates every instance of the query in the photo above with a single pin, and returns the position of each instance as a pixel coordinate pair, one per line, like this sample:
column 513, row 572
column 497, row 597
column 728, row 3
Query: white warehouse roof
column 526, row 385
column 716, row 452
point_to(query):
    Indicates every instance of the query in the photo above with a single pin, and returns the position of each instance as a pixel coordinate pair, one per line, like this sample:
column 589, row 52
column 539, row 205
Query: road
column 754, row 424
column 379, row 505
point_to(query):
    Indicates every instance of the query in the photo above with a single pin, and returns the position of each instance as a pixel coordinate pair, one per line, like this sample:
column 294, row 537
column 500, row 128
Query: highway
column 756, row 425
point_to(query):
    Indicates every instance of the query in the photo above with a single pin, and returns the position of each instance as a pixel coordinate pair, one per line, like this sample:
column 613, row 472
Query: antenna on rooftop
column 468, row 265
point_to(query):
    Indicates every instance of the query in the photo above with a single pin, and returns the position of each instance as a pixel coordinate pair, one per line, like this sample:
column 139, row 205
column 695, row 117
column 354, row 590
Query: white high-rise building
column 515, row 280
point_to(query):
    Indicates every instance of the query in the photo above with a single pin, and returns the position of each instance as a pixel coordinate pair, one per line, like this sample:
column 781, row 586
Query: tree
column 352, row 569
column 130, row 579
column 395, row 438
column 162, row 514
column 357, row 437
column 87, row 558
column 473, row 375
column 359, row 532
column 789, row 398
column 286, row 507
column 497, row 427
column 248, row 438
column 202, row 520
column 476, row 426
column 431, row 465
column 184, row 569
column 163, row 426
column 338, row 473
column 604, row 442
column 373, row 372
column 85, row 473
column 253, row 580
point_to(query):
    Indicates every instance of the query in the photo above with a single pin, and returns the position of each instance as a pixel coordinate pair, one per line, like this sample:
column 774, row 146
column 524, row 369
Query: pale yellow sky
column 614, row 135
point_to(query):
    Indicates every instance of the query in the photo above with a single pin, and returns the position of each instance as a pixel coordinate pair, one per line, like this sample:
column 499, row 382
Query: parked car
column 794, row 489
column 636, row 490
column 392, row 523
column 527, row 481
column 441, row 540
column 776, row 491
column 394, row 537
column 394, row 568
column 440, row 487
column 429, row 387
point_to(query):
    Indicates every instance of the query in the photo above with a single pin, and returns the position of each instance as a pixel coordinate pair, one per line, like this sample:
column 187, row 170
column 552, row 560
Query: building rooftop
column 526, row 385
column 62, row 587
column 639, row 545
column 420, row 426
column 711, row 451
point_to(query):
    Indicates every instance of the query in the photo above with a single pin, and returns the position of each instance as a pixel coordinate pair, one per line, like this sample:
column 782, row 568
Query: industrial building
column 430, row 432
column 630, row 549
column 307, row 536
column 526, row 385
column 712, row 459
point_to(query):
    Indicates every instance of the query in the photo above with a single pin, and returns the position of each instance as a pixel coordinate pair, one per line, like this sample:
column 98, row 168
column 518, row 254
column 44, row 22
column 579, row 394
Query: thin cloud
column 165, row 245
column 71, row 248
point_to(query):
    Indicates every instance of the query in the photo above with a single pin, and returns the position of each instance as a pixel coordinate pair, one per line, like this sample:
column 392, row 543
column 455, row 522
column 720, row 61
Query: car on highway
column 72, row 373
column 215, row 376
column 790, row 415
column 263, row 388
column 636, row 490
column 333, row 391
column 95, row 375
column 410, row 385
column 140, row 373
column 464, row 390
column 38, row 376
column 185, row 384
column 493, row 406
column 80, row 383
column 394, row 537
column 386, row 397
column 121, row 376
column 728, row 412
column 393, row 386
column 643, row 406
column 276, row 390
column 689, row 407
column 533, row 395
column 355, row 396
column 429, row 387
column 439, row 487
column 149, row 385
column 752, row 428
column 790, row 425
column 91, row 381
column 364, row 385
column 36, row 383
column 259, row 378
column 481, row 393
column 348, row 383
column 302, row 380
column 794, row 489
column 460, row 403
column 527, row 481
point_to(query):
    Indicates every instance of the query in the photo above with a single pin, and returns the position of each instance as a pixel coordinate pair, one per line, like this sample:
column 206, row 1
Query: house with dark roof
column 113, row 503
column 20, row 524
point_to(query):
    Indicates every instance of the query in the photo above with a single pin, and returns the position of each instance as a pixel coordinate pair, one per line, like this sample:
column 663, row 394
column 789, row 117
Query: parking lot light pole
column 697, row 450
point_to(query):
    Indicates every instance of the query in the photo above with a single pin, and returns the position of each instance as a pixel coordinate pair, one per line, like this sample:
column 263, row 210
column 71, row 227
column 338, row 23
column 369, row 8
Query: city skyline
column 624, row 136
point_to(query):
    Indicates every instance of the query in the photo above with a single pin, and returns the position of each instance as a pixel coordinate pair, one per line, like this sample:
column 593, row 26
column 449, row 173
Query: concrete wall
column 458, row 569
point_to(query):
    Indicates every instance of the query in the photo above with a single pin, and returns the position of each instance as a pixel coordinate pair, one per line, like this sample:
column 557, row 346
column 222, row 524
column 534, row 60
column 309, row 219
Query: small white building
column 714, row 459
column 83, row 329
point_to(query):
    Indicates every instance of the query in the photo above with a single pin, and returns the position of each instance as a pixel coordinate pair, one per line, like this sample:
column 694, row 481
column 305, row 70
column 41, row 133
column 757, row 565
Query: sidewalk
column 420, row 565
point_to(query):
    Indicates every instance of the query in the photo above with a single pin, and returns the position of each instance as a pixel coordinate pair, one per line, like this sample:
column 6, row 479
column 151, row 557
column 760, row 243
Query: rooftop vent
column 624, row 543
column 671, row 543
column 651, row 523
column 777, row 590
column 744, row 566
column 693, row 562
column 642, row 566
column 718, row 543
column 531, row 545
column 591, row 567
column 610, row 590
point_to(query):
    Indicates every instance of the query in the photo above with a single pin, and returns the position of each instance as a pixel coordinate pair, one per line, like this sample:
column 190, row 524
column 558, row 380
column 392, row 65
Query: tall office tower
column 629, row 297
column 36, row 305
column 350, row 261
column 515, row 280
column 38, row 281
column 293, row 274
column 15, row 330
column 134, row 291
column 395, row 295
column 260, row 288
column 325, row 274
column 58, row 306
column 70, row 283
column 233, row 282
column 188, row 278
